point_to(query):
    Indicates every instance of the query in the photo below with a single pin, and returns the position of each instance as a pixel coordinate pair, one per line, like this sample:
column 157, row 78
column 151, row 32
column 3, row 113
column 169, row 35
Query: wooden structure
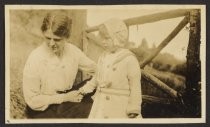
column 193, row 60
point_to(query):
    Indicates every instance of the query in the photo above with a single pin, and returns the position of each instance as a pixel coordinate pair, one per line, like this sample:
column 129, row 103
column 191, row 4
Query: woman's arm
column 85, row 63
column 32, row 89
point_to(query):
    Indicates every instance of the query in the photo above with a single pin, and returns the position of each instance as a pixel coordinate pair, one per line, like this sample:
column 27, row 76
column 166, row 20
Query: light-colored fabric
column 118, row 86
column 45, row 73
column 118, row 31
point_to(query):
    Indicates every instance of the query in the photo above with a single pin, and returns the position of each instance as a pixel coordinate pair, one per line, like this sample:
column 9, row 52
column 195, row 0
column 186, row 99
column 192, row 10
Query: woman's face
column 55, row 43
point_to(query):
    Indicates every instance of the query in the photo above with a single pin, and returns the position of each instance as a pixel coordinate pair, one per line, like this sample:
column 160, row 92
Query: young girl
column 117, row 79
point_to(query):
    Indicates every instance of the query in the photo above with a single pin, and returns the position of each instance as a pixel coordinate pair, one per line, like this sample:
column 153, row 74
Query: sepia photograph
column 105, row 64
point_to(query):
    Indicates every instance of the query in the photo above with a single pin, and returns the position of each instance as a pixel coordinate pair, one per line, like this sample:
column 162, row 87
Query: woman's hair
column 59, row 24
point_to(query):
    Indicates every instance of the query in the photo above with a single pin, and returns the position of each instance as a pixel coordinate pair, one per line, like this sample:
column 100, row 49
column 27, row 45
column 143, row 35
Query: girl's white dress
column 118, row 86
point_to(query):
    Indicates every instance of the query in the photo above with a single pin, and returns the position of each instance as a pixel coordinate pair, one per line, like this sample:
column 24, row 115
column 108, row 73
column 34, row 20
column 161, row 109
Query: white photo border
column 8, row 120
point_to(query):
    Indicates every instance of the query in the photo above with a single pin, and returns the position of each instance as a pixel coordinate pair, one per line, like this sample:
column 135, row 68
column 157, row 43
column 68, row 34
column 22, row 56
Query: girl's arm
column 134, row 77
column 88, row 87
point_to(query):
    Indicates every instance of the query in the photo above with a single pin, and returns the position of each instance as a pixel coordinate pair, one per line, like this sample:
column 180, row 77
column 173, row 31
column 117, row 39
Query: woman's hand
column 73, row 96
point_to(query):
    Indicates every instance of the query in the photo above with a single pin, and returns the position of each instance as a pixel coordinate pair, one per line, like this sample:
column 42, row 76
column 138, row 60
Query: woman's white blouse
column 45, row 74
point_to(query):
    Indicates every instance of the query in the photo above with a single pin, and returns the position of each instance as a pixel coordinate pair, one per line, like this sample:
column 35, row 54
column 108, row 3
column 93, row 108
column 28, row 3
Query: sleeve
column 134, row 77
column 92, row 84
column 89, row 86
column 32, row 88
column 86, row 64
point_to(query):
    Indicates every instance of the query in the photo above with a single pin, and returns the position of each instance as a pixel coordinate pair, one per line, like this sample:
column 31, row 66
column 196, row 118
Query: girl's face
column 55, row 43
column 107, row 41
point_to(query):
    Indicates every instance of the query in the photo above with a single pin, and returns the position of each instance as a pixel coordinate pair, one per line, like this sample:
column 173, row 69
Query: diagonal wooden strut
column 152, row 78
column 165, row 41
column 158, row 83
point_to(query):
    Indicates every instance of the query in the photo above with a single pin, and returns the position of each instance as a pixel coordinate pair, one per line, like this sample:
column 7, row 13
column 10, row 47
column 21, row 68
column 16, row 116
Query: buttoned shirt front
column 118, row 86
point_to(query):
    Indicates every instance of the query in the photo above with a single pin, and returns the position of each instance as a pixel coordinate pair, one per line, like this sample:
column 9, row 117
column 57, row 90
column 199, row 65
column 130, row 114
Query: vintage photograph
column 112, row 64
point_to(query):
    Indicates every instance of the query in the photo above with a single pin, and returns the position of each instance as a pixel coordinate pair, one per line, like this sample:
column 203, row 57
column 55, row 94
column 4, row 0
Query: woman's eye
column 56, row 39
column 48, row 38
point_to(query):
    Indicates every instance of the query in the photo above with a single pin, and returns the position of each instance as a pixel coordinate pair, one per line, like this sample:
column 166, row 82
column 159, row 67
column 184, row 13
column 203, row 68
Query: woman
column 117, row 79
column 51, row 69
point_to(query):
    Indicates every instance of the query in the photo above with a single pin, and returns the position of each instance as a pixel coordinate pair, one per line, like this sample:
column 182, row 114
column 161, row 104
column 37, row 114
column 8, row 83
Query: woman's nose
column 52, row 42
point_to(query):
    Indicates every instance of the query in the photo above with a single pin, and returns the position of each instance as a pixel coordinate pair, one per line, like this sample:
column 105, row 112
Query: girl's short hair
column 59, row 24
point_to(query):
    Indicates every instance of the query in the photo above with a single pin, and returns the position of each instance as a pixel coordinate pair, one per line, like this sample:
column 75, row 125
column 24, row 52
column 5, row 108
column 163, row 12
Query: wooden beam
column 156, row 17
column 153, row 99
column 155, row 81
column 150, row 18
column 92, row 29
column 165, row 41
column 192, row 97
column 193, row 53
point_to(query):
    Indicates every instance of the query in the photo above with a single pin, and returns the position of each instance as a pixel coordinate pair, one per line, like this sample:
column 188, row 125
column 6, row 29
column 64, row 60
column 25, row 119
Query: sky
column 154, row 33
